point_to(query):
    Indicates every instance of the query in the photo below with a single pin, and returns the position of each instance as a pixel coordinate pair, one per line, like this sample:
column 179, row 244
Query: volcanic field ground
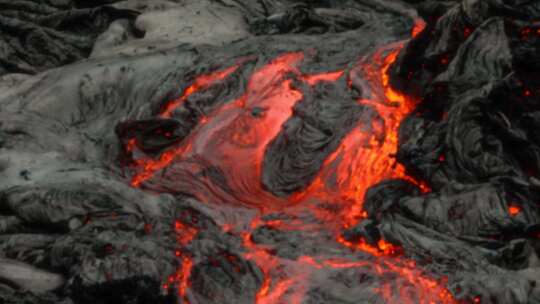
column 269, row 151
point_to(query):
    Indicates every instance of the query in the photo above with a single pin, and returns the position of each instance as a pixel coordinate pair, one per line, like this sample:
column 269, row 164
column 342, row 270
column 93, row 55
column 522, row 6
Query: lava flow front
column 233, row 138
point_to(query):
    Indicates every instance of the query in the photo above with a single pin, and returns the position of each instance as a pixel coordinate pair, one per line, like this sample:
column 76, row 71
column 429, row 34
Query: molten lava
column 234, row 137
column 200, row 83
column 514, row 210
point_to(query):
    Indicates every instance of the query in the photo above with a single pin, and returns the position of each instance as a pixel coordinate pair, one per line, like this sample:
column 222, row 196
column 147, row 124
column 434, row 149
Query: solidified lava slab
column 269, row 152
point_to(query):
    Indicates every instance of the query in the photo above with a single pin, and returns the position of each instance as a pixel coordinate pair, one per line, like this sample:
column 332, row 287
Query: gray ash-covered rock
column 40, row 35
column 83, row 87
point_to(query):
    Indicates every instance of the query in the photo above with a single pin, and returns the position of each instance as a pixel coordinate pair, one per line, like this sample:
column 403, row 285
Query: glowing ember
column 442, row 158
column 383, row 248
column 184, row 276
column 185, row 234
column 444, row 60
column 419, row 26
column 329, row 77
column 467, row 32
column 514, row 210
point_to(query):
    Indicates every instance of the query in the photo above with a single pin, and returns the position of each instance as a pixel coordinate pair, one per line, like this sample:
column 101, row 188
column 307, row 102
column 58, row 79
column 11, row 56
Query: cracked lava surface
column 234, row 138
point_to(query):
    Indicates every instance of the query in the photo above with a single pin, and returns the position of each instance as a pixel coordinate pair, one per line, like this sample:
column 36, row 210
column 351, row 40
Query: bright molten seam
column 234, row 136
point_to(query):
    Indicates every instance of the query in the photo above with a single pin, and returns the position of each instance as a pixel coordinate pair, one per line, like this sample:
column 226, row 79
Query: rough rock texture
column 241, row 151
column 39, row 35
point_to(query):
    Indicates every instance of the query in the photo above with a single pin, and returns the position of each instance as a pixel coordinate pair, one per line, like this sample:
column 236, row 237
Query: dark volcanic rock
column 318, row 125
column 470, row 139
column 37, row 36
column 205, row 161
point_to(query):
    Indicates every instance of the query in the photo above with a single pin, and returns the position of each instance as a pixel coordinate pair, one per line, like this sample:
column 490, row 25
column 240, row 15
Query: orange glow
column 387, row 248
column 310, row 261
column 383, row 248
column 419, row 26
column 429, row 290
column 444, row 60
column 271, row 297
column 200, row 83
column 147, row 228
column 183, row 277
column 327, row 77
column 263, row 291
column 185, row 234
column 337, row 264
column 234, row 138
column 131, row 145
column 467, row 32
column 514, row 210
column 376, row 149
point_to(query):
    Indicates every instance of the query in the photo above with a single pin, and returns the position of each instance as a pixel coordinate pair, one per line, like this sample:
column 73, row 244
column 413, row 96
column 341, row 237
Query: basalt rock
column 269, row 151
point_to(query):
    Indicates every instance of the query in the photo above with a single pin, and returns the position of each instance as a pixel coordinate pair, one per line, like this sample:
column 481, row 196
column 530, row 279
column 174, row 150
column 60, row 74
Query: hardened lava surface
column 269, row 151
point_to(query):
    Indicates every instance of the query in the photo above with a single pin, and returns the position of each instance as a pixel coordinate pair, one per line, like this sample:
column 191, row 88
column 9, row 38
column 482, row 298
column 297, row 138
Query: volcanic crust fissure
column 269, row 151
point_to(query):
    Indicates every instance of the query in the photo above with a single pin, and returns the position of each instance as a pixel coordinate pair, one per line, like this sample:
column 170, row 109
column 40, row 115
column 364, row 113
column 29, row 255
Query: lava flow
column 233, row 138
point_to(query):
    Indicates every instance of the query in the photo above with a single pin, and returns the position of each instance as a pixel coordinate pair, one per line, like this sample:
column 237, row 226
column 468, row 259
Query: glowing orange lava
column 200, row 83
column 184, row 235
column 419, row 26
column 514, row 210
column 234, row 137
